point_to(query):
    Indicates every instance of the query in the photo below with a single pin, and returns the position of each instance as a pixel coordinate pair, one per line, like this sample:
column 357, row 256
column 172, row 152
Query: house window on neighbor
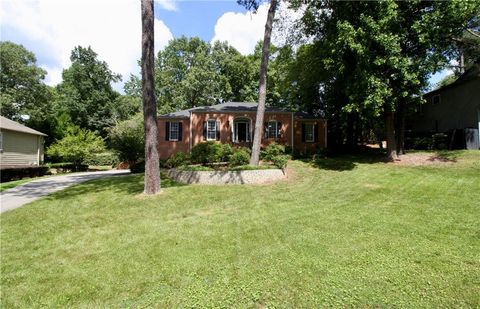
column 309, row 132
column 272, row 129
column 436, row 99
column 211, row 130
column 174, row 131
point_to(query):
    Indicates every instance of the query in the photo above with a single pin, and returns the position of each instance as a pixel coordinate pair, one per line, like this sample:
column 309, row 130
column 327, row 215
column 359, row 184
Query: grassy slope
column 351, row 233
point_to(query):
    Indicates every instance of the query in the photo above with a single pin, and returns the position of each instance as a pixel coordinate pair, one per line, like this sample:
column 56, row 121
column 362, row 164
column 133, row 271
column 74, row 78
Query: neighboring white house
column 19, row 145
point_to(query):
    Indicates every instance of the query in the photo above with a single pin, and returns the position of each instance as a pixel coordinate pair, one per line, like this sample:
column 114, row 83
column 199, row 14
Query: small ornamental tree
column 77, row 145
column 127, row 138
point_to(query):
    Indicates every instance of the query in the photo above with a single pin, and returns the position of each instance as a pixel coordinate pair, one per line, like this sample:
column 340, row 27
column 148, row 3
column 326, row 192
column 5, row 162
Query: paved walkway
column 29, row 192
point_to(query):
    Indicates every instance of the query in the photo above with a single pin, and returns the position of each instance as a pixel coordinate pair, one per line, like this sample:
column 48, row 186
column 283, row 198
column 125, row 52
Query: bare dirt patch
column 419, row 159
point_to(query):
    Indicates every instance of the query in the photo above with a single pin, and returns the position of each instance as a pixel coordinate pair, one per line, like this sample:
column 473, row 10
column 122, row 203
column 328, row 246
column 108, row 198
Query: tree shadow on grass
column 128, row 184
column 347, row 162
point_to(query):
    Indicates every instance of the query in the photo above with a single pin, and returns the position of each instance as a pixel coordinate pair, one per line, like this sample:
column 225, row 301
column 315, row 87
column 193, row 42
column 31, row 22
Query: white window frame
column 276, row 129
column 210, row 130
column 172, row 130
column 312, row 125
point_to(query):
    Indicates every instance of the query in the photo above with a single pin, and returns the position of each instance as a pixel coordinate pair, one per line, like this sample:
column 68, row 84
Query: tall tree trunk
column 390, row 133
column 262, row 89
column 152, row 169
column 400, row 129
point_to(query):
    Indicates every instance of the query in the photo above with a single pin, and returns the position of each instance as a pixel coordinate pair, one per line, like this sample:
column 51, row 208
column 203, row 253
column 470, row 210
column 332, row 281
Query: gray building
column 19, row 145
column 452, row 109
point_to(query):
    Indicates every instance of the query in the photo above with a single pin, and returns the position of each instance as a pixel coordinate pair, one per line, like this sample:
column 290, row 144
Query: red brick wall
column 309, row 147
column 168, row 148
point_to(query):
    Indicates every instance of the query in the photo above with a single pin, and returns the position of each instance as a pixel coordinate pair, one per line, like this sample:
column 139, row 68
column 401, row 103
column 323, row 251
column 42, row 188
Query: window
column 211, row 130
column 174, row 131
column 309, row 132
column 436, row 99
column 272, row 129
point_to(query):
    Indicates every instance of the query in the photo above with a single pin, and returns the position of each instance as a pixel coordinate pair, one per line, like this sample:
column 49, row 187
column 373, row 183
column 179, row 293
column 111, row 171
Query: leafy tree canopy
column 86, row 94
column 22, row 90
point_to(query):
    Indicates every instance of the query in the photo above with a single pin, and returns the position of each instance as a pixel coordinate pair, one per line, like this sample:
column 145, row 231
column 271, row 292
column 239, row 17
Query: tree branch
column 473, row 33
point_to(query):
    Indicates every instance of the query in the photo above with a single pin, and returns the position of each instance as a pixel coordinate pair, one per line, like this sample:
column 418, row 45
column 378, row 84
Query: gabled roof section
column 471, row 73
column 11, row 125
column 227, row 107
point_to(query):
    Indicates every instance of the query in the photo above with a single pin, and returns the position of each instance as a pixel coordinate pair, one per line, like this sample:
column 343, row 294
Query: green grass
column 341, row 232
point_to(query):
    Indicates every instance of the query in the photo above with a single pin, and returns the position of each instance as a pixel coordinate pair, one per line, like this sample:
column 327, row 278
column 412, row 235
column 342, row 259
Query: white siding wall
column 21, row 148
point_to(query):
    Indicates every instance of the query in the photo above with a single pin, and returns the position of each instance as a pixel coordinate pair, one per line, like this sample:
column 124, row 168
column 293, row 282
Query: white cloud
column 168, row 5
column 54, row 76
column 244, row 30
column 111, row 27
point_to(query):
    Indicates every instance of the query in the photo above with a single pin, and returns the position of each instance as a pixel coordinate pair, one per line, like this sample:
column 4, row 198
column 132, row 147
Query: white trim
column 276, row 128
column 215, row 129
column 313, row 133
column 170, row 131
column 246, row 120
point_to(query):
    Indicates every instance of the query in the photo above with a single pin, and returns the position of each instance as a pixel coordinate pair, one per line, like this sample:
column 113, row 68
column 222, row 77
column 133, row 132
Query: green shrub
column 196, row 168
column 68, row 167
column 210, row 152
column 239, row 157
column 137, row 167
column 102, row 159
column 127, row 138
column 271, row 151
column 440, row 141
column 422, row 143
column 178, row 159
column 280, row 161
column 14, row 173
column 251, row 167
column 76, row 145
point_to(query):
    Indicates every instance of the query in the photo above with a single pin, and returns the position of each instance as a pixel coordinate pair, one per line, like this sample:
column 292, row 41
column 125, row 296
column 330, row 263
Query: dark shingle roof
column 229, row 107
column 11, row 125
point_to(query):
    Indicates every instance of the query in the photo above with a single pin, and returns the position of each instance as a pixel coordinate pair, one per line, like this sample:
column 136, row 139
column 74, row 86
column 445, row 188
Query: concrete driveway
column 29, row 192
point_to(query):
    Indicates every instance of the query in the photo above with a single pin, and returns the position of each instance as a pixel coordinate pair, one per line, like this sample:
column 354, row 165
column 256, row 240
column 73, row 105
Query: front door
column 242, row 131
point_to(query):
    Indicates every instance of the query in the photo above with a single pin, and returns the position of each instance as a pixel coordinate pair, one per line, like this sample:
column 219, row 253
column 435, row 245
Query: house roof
column 229, row 107
column 11, row 125
column 471, row 73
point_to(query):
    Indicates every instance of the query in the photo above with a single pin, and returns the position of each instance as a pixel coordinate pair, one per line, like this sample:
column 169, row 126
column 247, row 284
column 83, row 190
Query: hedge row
column 15, row 173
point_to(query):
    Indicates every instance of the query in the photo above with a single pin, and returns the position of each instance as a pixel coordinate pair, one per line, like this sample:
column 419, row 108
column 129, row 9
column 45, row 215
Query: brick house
column 233, row 123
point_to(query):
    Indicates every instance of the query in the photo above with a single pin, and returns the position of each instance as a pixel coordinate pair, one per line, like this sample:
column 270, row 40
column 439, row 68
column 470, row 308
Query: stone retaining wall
column 227, row 177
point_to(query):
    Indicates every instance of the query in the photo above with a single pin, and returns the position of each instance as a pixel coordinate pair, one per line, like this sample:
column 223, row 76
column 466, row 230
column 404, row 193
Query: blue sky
column 52, row 28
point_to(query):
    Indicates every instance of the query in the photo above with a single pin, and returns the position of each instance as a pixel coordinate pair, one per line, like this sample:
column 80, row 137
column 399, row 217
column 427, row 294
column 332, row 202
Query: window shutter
column 303, row 132
column 180, row 125
column 218, row 131
column 265, row 131
column 279, row 129
column 315, row 132
column 167, row 131
column 204, row 130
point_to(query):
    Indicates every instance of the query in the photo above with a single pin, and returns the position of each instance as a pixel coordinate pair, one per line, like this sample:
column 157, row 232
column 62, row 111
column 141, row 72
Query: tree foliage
column 22, row 89
column 86, row 93
column 76, row 145
column 127, row 138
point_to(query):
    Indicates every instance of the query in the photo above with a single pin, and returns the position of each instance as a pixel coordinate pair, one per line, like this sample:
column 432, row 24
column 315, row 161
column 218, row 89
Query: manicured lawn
column 345, row 232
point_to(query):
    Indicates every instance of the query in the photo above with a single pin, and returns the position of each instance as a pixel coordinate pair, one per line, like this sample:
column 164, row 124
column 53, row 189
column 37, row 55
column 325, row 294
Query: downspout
column 190, row 134
column 326, row 130
column 38, row 149
column 293, row 130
